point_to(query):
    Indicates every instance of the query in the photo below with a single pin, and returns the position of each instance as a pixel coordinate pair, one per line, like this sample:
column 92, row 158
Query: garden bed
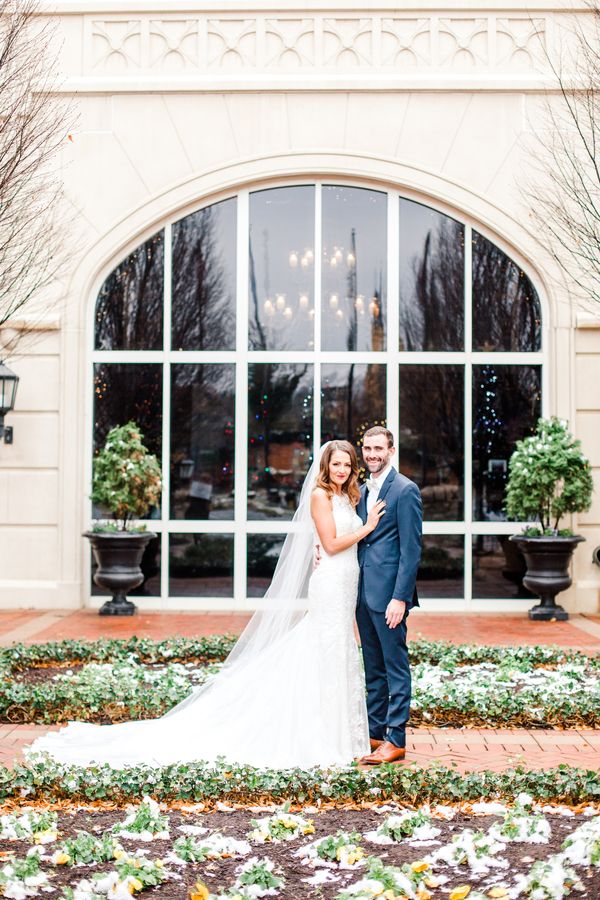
column 453, row 685
column 450, row 852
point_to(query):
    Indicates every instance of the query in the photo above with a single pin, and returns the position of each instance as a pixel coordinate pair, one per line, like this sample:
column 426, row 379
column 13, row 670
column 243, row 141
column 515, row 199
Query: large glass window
column 203, row 279
column 202, row 441
column 432, row 294
column 243, row 335
column 281, row 269
column 354, row 269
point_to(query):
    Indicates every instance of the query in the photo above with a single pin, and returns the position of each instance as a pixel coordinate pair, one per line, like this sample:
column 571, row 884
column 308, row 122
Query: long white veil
column 285, row 601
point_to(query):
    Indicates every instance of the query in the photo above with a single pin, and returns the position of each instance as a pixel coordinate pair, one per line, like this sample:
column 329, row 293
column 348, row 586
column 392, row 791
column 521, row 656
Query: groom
column 389, row 559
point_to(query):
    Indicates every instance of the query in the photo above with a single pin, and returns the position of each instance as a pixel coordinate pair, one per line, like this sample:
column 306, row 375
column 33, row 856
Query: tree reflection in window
column 202, row 441
column 279, row 437
column 506, row 307
column 431, row 279
column 204, row 279
column 431, row 444
column 353, row 398
column 129, row 308
column 506, row 407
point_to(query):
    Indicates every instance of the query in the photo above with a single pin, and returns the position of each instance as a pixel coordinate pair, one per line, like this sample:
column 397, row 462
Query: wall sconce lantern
column 186, row 469
column 8, row 393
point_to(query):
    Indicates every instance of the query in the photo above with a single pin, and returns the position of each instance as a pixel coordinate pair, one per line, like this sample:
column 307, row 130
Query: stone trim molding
column 305, row 49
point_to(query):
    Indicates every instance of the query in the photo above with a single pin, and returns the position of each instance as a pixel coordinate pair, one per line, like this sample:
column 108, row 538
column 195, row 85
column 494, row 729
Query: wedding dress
column 291, row 694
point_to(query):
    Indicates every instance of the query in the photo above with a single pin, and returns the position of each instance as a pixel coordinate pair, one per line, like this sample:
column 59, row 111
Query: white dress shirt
column 373, row 494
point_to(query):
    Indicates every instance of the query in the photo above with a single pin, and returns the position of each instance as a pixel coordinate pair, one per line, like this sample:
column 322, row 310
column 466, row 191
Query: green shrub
column 549, row 476
column 126, row 478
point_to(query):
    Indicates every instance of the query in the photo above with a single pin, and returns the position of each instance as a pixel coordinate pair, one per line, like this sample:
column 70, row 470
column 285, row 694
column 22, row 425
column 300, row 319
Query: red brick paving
column 502, row 629
column 87, row 624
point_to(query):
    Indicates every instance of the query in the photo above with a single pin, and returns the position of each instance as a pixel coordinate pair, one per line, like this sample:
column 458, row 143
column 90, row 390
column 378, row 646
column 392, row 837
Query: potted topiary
column 126, row 483
column 548, row 477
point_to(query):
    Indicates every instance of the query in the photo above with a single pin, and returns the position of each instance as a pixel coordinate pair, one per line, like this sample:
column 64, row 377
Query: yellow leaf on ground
column 460, row 892
column 419, row 866
column 497, row 893
column 199, row 891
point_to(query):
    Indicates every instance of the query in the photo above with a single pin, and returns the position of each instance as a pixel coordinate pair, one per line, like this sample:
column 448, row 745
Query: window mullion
column 318, row 258
column 468, row 407
column 166, row 435
column 393, row 316
column 241, row 402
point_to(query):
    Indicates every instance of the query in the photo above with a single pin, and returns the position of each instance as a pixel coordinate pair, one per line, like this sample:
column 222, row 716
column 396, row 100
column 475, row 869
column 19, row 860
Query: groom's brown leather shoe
column 385, row 753
column 375, row 743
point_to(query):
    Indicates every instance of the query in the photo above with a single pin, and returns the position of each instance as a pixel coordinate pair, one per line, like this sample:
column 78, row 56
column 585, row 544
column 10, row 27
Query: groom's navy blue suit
column 389, row 559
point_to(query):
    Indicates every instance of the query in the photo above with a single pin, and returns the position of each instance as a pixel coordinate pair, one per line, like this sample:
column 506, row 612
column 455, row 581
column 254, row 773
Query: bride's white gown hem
column 300, row 702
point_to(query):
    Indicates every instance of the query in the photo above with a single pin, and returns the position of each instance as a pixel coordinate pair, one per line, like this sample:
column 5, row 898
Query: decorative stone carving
column 336, row 44
column 347, row 43
column 463, row 43
column 406, row 43
column 173, row 44
column 231, row 44
column 520, row 43
column 289, row 43
column 116, row 45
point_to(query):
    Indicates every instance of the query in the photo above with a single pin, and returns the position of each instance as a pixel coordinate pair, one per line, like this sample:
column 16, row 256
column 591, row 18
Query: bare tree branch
column 34, row 123
column 564, row 195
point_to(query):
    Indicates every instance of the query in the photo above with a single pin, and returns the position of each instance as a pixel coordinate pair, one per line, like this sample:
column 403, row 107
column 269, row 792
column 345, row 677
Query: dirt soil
column 219, row 875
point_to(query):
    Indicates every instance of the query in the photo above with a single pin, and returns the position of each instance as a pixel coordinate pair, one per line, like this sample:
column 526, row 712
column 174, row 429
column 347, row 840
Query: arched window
column 246, row 333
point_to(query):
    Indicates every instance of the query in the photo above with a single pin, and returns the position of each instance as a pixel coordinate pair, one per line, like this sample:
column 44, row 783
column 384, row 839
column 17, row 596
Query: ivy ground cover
column 395, row 852
column 453, row 685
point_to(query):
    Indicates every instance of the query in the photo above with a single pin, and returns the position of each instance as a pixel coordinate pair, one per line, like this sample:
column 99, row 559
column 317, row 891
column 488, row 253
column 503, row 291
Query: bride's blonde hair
column 350, row 487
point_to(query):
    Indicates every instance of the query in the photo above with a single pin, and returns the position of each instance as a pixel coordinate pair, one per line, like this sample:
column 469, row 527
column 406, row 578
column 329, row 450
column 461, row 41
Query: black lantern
column 8, row 393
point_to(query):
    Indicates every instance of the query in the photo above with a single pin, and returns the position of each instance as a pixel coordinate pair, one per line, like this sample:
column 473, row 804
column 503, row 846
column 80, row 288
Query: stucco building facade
column 347, row 184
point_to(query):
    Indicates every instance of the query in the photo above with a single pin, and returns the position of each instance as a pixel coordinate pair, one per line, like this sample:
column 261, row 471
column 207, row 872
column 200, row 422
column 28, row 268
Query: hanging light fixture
column 8, row 394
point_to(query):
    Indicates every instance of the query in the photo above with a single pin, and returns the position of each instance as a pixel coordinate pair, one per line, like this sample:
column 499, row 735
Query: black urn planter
column 548, row 560
column 118, row 555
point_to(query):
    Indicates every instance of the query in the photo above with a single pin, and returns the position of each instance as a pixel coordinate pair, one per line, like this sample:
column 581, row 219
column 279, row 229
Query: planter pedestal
column 118, row 555
column 548, row 560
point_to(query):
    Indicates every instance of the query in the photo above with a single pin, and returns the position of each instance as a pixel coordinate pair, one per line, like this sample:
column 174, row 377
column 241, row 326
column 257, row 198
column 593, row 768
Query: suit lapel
column 361, row 509
column 387, row 484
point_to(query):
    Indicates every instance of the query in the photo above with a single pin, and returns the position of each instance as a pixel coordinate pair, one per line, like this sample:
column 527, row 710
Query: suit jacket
column 389, row 557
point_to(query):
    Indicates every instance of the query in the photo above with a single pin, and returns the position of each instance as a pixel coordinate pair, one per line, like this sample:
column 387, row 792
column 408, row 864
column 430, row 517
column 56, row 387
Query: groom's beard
column 376, row 468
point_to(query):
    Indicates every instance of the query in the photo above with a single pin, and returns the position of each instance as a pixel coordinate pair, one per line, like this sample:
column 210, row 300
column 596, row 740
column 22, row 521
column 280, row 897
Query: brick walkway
column 468, row 749
column 34, row 626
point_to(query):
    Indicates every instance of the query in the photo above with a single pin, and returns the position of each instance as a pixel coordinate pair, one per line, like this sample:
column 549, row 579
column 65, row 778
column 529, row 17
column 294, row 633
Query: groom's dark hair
column 379, row 429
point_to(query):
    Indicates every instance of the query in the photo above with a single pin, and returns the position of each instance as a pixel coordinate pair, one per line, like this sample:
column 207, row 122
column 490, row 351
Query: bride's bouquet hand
column 377, row 511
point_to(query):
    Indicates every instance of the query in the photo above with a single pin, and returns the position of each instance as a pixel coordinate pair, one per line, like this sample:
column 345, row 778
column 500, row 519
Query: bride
column 291, row 692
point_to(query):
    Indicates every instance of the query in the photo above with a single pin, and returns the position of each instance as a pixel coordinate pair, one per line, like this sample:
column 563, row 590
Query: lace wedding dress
column 297, row 700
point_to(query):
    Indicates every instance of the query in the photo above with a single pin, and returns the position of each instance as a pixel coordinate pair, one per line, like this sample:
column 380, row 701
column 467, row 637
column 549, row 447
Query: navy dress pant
column 387, row 672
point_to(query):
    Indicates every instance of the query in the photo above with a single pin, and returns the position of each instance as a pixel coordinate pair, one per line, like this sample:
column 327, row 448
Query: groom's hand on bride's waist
column 395, row 612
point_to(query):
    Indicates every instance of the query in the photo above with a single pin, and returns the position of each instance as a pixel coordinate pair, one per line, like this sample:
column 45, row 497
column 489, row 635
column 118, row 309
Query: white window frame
column 240, row 526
